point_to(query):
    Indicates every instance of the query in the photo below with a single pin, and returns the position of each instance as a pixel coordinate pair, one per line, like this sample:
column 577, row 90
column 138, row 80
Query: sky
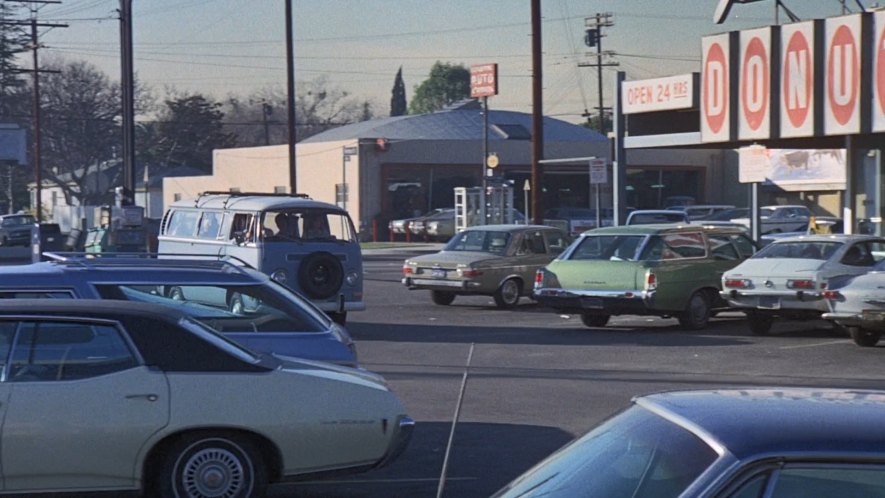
column 224, row 48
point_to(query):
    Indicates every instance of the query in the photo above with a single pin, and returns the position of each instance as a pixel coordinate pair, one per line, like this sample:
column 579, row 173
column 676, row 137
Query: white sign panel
column 754, row 117
column 659, row 94
column 598, row 171
column 715, row 91
column 842, row 75
column 879, row 71
column 797, row 80
column 12, row 144
column 793, row 169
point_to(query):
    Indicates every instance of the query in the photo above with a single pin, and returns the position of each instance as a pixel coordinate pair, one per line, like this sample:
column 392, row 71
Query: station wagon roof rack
column 89, row 260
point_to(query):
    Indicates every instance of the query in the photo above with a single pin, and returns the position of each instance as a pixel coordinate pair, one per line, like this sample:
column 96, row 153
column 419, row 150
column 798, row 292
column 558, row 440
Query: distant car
column 858, row 305
column 815, row 225
column 246, row 305
column 419, row 226
column 788, row 277
column 117, row 396
column 701, row 211
column 779, row 218
column 15, row 229
column 493, row 260
column 729, row 443
column 658, row 270
column 401, row 226
column 656, row 216
column 442, row 227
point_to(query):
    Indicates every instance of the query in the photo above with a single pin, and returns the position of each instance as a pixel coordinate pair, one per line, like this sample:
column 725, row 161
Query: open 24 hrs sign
column 660, row 94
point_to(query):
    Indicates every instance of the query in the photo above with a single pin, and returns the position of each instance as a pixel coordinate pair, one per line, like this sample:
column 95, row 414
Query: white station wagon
column 118, row 396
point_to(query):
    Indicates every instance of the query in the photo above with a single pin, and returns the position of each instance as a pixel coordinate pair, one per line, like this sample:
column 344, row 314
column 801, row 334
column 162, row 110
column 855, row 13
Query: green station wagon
column 662, row 270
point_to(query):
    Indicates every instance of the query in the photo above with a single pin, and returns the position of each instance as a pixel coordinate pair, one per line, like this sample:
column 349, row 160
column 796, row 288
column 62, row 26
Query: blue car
column 244, row 304
column 731, row 443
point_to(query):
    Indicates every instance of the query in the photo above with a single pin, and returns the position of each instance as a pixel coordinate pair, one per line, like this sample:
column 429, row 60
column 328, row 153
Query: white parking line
column 828, row 343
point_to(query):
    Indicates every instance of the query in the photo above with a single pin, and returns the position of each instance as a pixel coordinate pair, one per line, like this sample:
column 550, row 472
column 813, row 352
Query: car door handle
column 149, row 397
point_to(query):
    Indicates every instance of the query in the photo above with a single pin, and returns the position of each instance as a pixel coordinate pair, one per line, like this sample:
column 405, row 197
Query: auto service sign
column 754, row 118
column 715, row 88
column 878, row 115
column 842, row 75
column 797, row 82
column 483, row 80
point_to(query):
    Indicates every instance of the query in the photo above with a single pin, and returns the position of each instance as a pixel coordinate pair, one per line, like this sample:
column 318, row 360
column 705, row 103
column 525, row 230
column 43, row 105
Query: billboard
column 13, row 144
column 793, row 169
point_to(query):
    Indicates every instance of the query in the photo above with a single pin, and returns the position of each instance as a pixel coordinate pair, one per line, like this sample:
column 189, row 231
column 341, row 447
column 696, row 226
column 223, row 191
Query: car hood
column 762, row 267
column 331, row 371
column 451, row 259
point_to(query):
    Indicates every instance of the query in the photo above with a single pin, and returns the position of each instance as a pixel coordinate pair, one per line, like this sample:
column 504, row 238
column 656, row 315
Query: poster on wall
column 793, row 169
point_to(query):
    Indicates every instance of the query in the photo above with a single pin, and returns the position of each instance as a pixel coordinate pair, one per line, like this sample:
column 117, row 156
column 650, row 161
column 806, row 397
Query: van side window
column 210, row 224
column 182, row 224
column 243, row 226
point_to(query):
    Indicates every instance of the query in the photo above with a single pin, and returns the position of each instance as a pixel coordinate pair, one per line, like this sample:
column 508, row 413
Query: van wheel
column 320, row 275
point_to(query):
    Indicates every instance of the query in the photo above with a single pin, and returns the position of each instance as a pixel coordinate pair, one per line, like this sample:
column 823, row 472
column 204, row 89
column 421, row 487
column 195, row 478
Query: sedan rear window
column 800, row 249
column 479, row 240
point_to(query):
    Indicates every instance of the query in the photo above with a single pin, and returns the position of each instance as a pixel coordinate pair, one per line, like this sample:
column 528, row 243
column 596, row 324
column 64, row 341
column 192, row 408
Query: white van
column 308, row 245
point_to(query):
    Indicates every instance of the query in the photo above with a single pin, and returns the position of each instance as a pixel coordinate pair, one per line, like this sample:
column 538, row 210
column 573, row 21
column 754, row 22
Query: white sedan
column 788, row 278
column 779, row 218
column 118, row 396
column 858, row 304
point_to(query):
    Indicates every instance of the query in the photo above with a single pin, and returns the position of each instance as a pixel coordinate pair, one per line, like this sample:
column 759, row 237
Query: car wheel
column 507, row 295
column 697, row 312
column 320, row 275
column 235, row 304
column 442, row 298
column 594, row 320
column 204, row 465
column 864, row 337
column 760, row 323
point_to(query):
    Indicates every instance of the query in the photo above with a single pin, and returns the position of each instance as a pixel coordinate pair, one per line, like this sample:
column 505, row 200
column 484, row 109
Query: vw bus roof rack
column 253, row 194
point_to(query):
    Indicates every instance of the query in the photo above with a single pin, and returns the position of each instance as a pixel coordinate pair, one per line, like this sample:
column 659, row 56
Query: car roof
column 663, row 227
column 827, row 237
column 760, row 421
column 87, row 307
column 131, row 270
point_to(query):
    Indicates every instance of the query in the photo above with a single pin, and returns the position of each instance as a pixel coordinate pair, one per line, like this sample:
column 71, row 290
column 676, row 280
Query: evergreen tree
column 189, row 129
column 13, row 40
column 398, row 99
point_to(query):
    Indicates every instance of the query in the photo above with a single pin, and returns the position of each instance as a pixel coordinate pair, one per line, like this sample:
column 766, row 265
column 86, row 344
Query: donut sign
column 715, row 88
column 754, row 117
column 842, row 75
column 797, row 82
column 878, row 111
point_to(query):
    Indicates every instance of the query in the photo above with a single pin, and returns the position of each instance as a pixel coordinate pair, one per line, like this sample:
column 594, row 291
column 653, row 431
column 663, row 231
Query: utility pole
column 127, row 84
column 35, row 135
column 537, row 114
column 593, row 38
column 290, row 92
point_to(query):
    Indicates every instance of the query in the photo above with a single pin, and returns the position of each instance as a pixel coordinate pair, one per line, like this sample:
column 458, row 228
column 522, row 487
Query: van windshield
column 307, row 225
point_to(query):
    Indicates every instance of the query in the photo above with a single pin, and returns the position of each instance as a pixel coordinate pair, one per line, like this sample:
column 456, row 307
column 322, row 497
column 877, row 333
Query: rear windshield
column 608, row 247
column 479, row 241
column 799, row 250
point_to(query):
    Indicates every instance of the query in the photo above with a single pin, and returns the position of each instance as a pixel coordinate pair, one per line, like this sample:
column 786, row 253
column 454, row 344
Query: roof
column 663, row 227
column 827, row 237
column 507, row 227
column 458, row 124
column 253, row 202
column 103, row 308
column 759, row 421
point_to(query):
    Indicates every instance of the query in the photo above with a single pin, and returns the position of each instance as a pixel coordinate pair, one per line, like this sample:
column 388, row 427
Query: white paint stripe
column 828, row 343
column 378, row 481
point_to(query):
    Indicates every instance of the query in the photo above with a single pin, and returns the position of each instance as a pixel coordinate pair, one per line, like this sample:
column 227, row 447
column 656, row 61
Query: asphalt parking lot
column 537, row 379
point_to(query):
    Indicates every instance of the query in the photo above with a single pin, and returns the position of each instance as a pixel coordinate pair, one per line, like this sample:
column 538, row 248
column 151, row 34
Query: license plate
column 438, row 273
column 874, row 315
column 594, row 303
column 770, row 302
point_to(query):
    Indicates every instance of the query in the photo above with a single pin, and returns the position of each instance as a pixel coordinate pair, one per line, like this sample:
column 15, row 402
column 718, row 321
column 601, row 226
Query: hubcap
column 213, row 473
column 510, row 292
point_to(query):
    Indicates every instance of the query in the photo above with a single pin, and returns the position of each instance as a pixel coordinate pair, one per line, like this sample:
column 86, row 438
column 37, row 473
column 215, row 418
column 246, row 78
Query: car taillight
column 651, row 281
column 800, row 284
column 737, row 283
column 832, row 295
column 469, row 272
column 407, row 270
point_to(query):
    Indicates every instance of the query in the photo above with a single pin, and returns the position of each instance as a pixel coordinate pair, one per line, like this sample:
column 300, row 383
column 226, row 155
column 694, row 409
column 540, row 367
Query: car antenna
column 445, row 467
